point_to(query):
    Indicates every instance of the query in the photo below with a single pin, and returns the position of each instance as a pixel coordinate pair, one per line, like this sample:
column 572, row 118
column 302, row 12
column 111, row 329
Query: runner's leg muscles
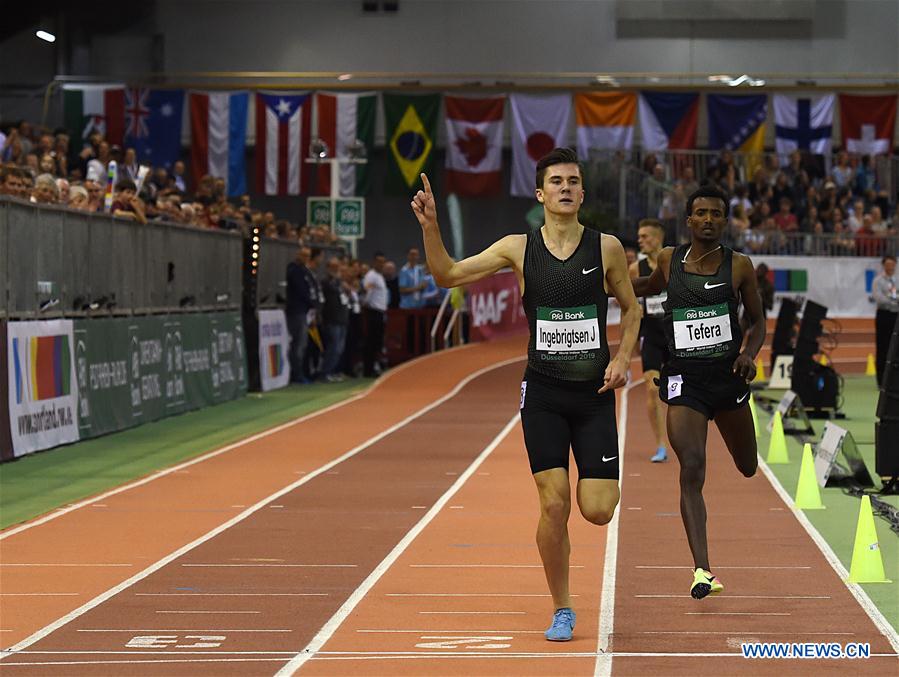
column 552, row 531
column 738, row 432
column 687, row 430
column 654, row 407
column 597, row 499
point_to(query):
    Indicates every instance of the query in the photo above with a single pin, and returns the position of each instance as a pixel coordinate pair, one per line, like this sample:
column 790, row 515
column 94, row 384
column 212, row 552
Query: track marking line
column 325, row 633
column 39, row 594
column 485, row 566
column 174, row 630
column 743, row 632
column 737, row 613
column 603, row 665
column 477, row 613
column 647, row 566
column 99, row 599
column 310, row 566
column 432, row 631
column 208, row 612
column 726, row 597
column 467, row 594
column 880, row 622
column 217, row 452
column 231, row 594
column 60, row 564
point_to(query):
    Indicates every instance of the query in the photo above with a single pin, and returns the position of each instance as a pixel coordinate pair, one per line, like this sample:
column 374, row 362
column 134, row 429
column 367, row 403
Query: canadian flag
column 474, row 138
column 867, row 123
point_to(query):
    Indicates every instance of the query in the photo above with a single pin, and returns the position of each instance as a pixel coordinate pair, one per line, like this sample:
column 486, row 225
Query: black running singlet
column 701, row 322
column 652, row 325
column 566, row 306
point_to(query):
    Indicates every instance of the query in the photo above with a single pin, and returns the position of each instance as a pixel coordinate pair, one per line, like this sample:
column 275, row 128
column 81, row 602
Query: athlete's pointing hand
column 423, row 205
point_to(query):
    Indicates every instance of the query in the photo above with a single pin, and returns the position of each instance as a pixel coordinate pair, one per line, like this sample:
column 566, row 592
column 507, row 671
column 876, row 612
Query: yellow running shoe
column 704, row 583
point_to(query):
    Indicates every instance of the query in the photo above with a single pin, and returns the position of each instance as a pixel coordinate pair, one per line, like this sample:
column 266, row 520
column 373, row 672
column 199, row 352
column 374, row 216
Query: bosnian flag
column 867, row 123
column 344, row 119
column 668, row 120
column 803, row 123
column 474, row 141
column 283, row 131
column 605, row 121
column 539, row 124
column 218, row 130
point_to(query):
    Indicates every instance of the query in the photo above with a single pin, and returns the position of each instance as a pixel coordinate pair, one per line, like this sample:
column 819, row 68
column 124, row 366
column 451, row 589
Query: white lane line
column 467, row 594
column 209, row 612
column 174, row 630
column 736, row 613
column 212, row 454
column 99, row 599
column 686, row 596
column 647, row 566
column 61, row 564
column 742, row 632
column 39, row 594
column 346, row 609
column 476, row 613
column 231, row 594
column 857, row 591
column 150, row 661
column 432, row 631
column 485, row 566
column 310, row 566
column 603, row 665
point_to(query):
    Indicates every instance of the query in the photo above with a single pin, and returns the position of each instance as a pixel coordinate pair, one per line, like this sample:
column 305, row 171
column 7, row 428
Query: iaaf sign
column 495, row 305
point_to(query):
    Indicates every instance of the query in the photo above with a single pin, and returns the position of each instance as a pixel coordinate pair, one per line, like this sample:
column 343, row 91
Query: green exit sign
column 346, row 215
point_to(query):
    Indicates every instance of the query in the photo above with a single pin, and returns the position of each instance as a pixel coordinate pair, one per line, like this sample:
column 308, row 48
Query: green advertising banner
column 139, row 369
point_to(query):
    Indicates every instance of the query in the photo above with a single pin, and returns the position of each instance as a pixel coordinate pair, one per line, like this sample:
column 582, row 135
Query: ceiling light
column 44, row 35
column 345, row 77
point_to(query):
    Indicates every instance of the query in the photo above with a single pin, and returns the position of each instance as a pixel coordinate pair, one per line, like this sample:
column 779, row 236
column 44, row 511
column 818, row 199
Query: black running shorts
column 560, row 415
column 707, row 389
column 653, row 352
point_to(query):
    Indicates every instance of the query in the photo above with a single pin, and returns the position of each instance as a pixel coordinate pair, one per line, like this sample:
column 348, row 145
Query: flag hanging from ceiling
column 344, row 119
column 803, row 123
column 153, row 124
column 94, row 108
column 668, row 120
column 867, row 123
column 738, row 123
column 283, row 133
column 539, row 124
column 474, row 143
column 411, row 124
column 218, row 131
column 605, row 121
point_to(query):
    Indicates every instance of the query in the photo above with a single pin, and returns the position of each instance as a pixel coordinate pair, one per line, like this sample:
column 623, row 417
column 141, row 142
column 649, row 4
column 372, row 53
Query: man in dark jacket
column 302, row 301
column 335, row 319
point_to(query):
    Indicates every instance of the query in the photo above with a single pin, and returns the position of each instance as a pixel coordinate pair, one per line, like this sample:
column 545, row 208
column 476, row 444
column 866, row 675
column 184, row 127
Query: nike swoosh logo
column 708, row 286
column 740, row 399
column 606, row 460
column 587, row 272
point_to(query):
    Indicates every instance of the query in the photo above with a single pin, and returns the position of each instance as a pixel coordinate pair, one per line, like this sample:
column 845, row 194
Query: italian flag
column 90, row 108
column 342, row 119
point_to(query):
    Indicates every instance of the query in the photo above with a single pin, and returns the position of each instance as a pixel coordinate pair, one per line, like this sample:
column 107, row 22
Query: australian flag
column 153, row 125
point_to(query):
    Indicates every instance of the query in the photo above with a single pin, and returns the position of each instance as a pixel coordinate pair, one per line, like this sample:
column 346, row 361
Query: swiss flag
column 474, row 137
column 867, row 123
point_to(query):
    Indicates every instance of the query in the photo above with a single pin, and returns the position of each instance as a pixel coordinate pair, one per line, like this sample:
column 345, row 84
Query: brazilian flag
column 411, row 132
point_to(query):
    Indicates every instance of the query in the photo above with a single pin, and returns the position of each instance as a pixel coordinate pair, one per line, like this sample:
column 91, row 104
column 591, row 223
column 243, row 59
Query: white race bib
column 702, row 332
column 654, row 304
column 567, row 330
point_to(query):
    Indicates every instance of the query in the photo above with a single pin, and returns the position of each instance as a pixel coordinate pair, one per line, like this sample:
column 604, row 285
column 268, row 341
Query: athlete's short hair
column 557, row 156
column 709, row 191
column 652, row 223
column 888, row 257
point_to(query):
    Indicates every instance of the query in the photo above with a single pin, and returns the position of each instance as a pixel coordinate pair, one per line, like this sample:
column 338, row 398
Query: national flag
column 605, row 121
column 153, row 124
column 283, row 132
column 738, row 123
column 344, row 119
column 539, row 124
column 218, row 130
column 474, row 144
column 668, row 120
column 411, row 124
column 49, row 368
column 90, row 108
column 275, row 360
column 804, row 123
column 868, row 123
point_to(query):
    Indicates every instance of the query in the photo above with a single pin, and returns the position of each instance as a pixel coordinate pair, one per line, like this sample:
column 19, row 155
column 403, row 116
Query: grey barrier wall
column 274, row 255
column 64, row 260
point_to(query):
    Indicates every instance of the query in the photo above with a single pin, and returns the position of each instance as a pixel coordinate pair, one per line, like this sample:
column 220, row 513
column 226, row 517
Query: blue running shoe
column 660, row 456
column 563, row 625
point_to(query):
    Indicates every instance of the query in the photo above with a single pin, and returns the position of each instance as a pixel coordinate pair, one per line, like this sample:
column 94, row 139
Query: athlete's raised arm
column 655, row 283
column 505, row 252
column 744, row 276
column 618, row 284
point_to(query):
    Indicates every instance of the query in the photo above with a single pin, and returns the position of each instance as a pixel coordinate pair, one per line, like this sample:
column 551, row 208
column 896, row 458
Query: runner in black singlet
column 566, row 274
column 710, row 369
column 653, row 344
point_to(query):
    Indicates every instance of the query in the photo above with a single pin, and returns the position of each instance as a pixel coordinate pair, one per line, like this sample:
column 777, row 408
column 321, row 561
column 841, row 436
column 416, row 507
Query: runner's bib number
column 654, row 304
column 702, row 332
column 566, row 332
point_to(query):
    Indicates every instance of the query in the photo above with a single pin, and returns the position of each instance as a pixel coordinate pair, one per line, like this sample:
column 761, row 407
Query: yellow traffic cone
column 755, row 416
column 777, row 447
column 867, row 564
column 759, row 370
column 870, row 368
column 808, row 495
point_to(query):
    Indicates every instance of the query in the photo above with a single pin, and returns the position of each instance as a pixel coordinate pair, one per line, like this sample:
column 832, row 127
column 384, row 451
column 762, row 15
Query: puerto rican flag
column 668, row 120
column 539, row 124
column 283, row 133
column 867, row 123
column 218, row 129
column 474, row 141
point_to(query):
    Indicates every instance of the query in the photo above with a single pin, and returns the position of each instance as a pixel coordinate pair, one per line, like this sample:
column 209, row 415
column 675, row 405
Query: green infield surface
column 837, row 523
column 38, row 483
